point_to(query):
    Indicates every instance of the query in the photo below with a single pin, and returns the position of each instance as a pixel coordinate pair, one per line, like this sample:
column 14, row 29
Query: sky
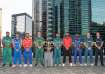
column 10, row 7
column 98, row 11
column 20, row 6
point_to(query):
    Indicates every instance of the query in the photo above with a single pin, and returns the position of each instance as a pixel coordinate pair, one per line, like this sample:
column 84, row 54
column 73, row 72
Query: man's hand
column 17, row 49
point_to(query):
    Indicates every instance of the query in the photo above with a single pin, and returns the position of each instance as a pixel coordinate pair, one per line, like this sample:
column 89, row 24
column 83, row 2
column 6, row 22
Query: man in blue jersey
column 17, row 50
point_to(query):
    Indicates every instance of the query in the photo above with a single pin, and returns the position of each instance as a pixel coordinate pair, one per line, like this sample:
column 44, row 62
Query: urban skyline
column 11, row 7
column 61, row 16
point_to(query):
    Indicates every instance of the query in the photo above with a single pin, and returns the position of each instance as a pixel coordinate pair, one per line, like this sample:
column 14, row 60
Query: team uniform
column 77, row 49
column 39, row 51
column 7, row 50
column 17, row 51
column 48, row 55
column 27, row 44
column 67, row 42
column 99, row 51
column 57, row 50
column 89, row 50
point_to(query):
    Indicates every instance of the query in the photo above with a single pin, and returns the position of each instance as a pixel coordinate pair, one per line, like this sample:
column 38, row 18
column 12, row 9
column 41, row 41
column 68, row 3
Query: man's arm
column 3, row 42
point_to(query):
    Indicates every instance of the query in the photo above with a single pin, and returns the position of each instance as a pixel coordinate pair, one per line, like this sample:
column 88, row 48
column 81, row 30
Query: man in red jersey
column 67, row 42
column 27, row 44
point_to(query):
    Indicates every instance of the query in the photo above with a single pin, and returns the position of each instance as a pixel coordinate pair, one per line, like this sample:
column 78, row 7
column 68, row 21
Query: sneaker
column 55, row 65
column 74, row 64
column 63, row 65
column 3, row 65
column 81, row 64
column 60, row 65
column 20, row 65
column 25, row 65
column 95, row 65
column 30, row 65
column 10, row 65
column 35, row 65
column 13, row 66
column 71, row 64
column 92, row 64
column 102, row 65
column 85, row 64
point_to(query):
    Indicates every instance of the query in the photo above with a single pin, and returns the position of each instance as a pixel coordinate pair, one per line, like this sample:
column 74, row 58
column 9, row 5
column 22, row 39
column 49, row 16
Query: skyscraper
column 0, row 22
column 21, row 23
column 42, row 17
column 85, row 15
column 73, row 16
column 0, row 29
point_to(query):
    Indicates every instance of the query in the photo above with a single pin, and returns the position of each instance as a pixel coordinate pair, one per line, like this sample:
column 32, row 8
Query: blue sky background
column 98, row 11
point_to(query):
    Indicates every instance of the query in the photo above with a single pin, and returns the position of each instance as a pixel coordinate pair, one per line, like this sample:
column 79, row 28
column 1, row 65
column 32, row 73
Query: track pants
column 17, row 57
column 57, row 56
column 7, row 55
column 39, row 54
column 76, row 53
column 48, row 59
column 89, row 52
column 65, row 53
column 99, row 52
column 27, row 56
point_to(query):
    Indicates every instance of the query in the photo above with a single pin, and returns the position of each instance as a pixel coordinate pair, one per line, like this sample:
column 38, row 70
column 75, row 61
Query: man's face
column 39, row 34
column 98, row 34
column 7, row 34
column 67, row 34
column 57, row 35
column 77, row 35
column 88, row 34
column 27, row 35
column 17, row 35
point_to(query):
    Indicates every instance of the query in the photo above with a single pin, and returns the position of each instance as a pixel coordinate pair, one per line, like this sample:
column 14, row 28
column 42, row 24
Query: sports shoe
column 13, row 66
column 55, row 65
column 3, row 65
column 20, row 65
column 81, row 64
column 25, row 65
column 92, row 64
column 10, row 65
column 85, row 64
column 63, row 65
column 30, row 65
column 71, row 64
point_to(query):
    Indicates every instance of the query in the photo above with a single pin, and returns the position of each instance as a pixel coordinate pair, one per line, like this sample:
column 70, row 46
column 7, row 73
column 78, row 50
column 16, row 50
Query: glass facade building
column 42, row 18
column 21, row 23
column 85, row 15
column 0, row 22
column 61, row 16
column 0, row 30
column 74, row 16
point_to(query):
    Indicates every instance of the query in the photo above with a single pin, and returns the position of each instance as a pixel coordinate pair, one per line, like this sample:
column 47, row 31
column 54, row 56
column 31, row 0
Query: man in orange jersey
column 27, row 44
column 67, row 42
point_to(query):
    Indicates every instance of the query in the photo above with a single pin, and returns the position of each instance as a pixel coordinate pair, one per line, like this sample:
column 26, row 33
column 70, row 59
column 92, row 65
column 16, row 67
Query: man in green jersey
column 39, row 51
column 7, row 49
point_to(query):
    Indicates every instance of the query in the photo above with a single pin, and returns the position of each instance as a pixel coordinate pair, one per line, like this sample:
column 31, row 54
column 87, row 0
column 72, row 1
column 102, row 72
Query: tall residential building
column 0, row 23
column 21, row 23
column 0, row 30
column 73, row 16
column 42, row 18
column 86, row 15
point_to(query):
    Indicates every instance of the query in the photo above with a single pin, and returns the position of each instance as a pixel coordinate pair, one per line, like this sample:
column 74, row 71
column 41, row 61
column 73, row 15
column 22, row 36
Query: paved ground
column 54, row 70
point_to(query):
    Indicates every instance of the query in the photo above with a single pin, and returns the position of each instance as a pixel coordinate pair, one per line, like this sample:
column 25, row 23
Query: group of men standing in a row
column 48, row 53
